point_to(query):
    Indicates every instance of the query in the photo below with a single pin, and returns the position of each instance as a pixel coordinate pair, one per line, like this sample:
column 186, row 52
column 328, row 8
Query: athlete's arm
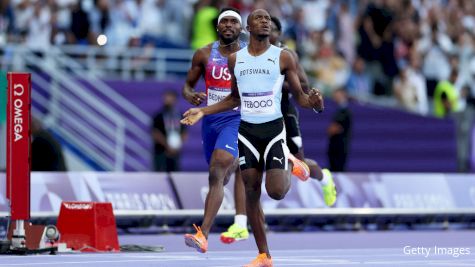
column 193, row 115
column 300, row 71
column 197, row 69
column 289, row 68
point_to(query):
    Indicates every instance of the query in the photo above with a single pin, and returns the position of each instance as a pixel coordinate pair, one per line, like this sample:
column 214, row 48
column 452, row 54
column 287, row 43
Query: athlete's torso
column 260, row 85
column 218, row 80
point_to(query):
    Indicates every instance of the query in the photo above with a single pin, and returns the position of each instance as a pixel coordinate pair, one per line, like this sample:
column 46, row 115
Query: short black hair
column 277, row 23
column 229, row 8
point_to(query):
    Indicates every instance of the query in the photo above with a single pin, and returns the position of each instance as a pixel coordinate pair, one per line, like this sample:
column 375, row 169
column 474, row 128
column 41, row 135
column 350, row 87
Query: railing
column 129, row 63
column 83, row 110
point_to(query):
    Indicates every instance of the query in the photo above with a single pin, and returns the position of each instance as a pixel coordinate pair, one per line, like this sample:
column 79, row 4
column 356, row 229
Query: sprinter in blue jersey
column 257, row 75
column 219, row 131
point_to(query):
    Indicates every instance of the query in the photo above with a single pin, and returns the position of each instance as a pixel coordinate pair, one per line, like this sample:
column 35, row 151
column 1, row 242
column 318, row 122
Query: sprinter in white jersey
column 258, row 72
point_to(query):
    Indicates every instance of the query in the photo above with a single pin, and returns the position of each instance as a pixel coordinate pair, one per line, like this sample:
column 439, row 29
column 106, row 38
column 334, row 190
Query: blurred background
column 105, row 73
column 101, row 70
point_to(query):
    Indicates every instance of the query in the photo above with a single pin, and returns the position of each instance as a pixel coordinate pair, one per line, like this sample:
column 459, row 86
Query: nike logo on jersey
column 240, row 62
column 271, row 60
column 280, row 160
column 229, row 147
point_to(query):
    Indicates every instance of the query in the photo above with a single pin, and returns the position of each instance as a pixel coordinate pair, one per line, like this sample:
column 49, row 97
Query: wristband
column 318, row 111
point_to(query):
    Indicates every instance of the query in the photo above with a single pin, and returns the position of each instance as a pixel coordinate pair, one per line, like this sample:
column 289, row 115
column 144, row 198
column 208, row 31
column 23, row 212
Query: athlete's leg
column 252, row 181
column 278, row 183
column 221, row 150
column 278, row 168
column 315, row 169
column 221, row 162
column 251, row 151
column 238, row 230
column 239, row 194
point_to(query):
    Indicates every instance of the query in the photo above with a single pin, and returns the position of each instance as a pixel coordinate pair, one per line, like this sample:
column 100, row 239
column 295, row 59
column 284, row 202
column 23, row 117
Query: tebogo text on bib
column 258, row 103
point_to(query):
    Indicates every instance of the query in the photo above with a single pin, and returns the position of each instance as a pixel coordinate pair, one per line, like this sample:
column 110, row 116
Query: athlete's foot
column 197, row 241
column 300, row 168
column 234, row 233
column 260, row 261
column 329, row 190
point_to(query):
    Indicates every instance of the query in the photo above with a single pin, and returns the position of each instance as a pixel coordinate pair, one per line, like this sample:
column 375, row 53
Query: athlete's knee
column 278, row 194
column 220, row 167
column 222, row 162
column 217, row 175
column 277, row 191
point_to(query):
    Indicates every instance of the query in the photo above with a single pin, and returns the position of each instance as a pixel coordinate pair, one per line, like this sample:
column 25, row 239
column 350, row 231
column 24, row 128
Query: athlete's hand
column 316, row 99
column 192, row 116
column 195, row 98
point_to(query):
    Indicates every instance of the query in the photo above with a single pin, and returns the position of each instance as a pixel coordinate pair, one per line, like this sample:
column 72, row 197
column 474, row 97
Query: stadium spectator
column 339, row 133
column 204, row 31
column 7, row 21
column 418, row 79
column 346, row 36
column 359, row 83
column 464, row 121
column 46, row 151
column 436, row 66
column 100, row 18
column 80, row 25
column 446, row 96
column 168, row 134
column 383, row 33
column 410, row 90
column 38, row 37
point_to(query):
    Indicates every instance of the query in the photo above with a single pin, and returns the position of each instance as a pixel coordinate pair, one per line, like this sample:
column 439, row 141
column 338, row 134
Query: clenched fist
column 195, row 98
column 316, row 99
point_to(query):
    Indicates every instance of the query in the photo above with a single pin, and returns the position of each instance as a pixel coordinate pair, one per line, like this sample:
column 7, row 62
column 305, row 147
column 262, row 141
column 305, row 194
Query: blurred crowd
column 415, row 54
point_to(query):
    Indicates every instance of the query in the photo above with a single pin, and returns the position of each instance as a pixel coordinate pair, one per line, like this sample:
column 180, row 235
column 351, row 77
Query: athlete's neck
column 229, row 48
column 257, row 46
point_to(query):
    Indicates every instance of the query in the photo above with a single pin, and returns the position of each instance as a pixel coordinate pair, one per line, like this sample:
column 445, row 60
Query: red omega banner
column 18, row 145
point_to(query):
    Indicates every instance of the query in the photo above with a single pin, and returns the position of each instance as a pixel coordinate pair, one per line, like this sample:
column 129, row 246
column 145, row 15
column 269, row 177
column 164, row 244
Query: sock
column 241, row 220
column 325, row 179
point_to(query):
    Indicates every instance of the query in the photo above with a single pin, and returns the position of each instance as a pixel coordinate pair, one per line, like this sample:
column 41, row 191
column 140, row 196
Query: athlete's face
column 260, row 23
column 229, row 29
column 274, row 34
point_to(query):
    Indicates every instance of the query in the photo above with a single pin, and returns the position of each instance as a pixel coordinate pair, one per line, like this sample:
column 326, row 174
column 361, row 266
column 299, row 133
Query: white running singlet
column 260, row 85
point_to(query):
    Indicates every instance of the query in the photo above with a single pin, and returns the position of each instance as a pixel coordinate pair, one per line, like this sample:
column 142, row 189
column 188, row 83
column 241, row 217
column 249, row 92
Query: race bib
column 258, row 103
column 216, row 94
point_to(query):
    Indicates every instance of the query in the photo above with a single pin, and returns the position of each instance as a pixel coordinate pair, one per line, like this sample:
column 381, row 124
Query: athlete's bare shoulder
column 202, row 54
column 232, row 60
column 286, row 56
column 292, row 52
